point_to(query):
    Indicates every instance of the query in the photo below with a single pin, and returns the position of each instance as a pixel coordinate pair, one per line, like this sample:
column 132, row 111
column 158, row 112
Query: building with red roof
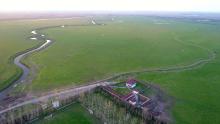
column 131, row 83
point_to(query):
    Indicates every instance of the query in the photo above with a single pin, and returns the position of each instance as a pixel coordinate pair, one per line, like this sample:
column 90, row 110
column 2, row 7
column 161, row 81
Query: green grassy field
column 122, row 90
column 88, row 53
column 15, row 38
column 94, row 52
column 195, row 92
column 74, row 114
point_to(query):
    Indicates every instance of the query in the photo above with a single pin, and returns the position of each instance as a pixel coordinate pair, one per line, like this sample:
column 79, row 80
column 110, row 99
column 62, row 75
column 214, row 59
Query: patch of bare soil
column 160, row 104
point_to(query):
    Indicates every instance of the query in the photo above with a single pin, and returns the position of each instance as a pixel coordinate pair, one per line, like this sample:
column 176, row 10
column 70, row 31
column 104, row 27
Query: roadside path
column 72, row 92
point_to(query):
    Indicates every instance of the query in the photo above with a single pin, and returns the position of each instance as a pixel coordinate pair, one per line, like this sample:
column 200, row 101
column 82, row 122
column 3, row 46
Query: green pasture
column 94, row 52
column 74, row 114
column 87, row 53
column 129, row 43
column 121, row 89
column 14, row 38
column 195, row 92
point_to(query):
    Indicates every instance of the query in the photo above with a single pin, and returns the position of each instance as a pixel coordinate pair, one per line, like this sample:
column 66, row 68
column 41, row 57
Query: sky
column 110, row 5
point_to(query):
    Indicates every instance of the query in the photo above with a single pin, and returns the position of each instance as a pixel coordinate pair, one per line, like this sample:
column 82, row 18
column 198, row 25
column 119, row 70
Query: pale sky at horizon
column 110, row 5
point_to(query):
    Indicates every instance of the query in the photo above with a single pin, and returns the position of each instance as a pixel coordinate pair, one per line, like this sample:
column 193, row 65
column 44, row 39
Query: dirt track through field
column 87, row 87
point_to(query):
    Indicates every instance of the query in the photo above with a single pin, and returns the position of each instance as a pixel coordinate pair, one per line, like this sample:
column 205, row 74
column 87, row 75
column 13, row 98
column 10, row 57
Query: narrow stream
column 25, row 69
column 36, row 35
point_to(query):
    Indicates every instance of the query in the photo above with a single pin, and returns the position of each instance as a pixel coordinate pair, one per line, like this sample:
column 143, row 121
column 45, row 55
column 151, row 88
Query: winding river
column 25, row 69
column 36, row 35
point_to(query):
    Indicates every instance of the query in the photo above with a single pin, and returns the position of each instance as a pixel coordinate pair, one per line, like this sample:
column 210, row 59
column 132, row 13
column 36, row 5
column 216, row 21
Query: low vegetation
column 74, row 114
column 108, row 111
column 83, row 54
column 121, row 88
column 15, row 36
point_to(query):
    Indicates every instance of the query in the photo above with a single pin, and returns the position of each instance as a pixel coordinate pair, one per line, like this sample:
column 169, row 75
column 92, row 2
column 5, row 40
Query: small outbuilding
column 131, row 83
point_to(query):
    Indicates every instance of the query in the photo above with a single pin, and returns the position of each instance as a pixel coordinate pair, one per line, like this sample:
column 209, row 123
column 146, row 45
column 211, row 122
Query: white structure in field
column 33, row 38
column 131, row 83
column 93, row 22
column 136, row 100
column 56, row 104
column 33, row 32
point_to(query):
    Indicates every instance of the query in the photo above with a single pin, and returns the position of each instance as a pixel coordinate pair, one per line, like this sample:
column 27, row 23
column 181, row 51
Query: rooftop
column 131, row 81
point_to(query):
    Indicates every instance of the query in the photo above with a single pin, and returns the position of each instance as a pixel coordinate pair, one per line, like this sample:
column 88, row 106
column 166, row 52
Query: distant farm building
column 135, row 96
column 131, row 83
column 93, row 22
